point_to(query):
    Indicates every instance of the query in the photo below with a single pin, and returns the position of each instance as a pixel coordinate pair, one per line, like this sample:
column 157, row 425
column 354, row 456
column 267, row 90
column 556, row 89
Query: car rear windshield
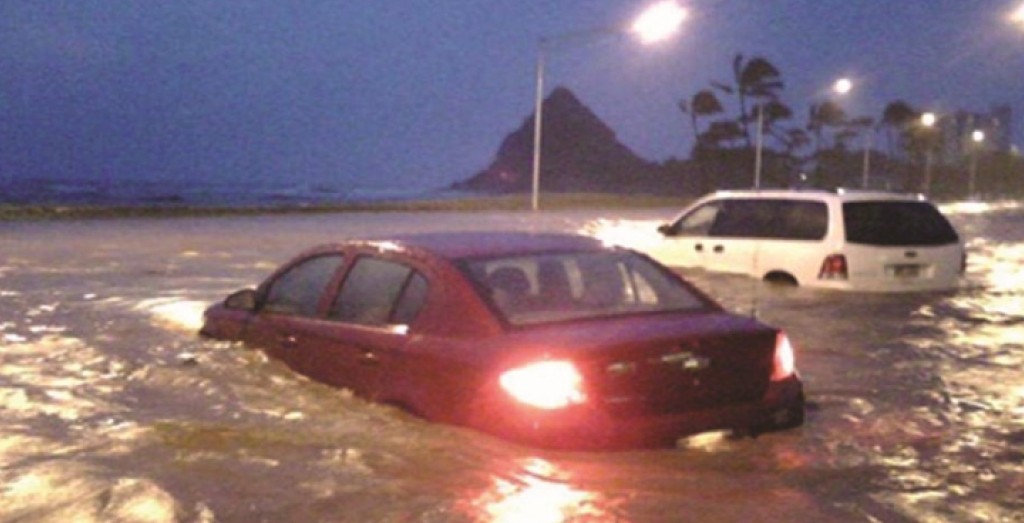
column 546, row 288
column 892, row 223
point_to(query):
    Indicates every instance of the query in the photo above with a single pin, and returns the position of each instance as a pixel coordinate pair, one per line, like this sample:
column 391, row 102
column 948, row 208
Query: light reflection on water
column 111, row 408
column 538, row 495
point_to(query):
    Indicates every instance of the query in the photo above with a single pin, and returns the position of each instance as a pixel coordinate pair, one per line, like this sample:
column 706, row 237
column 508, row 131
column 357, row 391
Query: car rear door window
column 298, row 290
column 379, row 292
column 890, row 223
column 411, row 301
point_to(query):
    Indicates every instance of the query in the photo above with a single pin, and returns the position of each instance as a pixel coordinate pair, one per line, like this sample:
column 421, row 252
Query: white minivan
column 862, row 241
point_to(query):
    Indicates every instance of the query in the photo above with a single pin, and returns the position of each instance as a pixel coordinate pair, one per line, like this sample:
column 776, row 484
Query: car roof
column 454, row 245
column 841, row 195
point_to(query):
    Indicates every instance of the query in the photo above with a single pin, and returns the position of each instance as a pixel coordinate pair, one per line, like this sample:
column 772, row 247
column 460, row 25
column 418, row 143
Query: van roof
column 840, row 194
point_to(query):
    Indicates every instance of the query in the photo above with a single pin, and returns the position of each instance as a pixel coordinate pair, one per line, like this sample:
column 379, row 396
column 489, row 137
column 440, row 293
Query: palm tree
column 755, row 78
column 774, row 112
column 897, row 117
column 823, row 116
column 703, row 103
column 722, row 132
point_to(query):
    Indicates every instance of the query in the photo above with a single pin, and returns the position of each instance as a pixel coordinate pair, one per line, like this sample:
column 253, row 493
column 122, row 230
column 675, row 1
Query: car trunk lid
column 667, row 363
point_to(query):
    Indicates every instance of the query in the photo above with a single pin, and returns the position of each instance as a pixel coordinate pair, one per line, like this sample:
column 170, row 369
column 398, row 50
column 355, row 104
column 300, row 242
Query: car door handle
column 289, row 341
column 369, row 357
column 699, row 247
column 718, row 249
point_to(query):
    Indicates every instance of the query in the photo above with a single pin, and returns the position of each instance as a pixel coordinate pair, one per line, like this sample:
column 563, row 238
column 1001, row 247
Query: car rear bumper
column 888, row 285
column 588, row 428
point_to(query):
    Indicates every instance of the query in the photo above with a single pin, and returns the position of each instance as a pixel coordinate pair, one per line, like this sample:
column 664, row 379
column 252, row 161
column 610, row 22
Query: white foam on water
column 175, row 312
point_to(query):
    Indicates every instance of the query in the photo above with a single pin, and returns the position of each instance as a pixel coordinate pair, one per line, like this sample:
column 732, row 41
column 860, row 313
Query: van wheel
column 781, row 278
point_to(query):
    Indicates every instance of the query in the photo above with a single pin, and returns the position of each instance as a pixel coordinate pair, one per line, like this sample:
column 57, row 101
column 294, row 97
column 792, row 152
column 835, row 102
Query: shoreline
column 514, row 202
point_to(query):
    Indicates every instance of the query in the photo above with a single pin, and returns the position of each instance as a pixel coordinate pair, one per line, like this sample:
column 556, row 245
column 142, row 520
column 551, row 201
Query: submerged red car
column 551, row 340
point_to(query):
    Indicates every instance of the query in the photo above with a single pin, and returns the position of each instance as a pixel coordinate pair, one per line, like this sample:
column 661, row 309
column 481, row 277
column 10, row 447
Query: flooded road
column 112, row 409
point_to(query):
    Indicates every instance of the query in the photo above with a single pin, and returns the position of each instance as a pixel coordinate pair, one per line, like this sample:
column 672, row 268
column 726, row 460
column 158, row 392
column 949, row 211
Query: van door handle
column 699, row 247
column 719, row 249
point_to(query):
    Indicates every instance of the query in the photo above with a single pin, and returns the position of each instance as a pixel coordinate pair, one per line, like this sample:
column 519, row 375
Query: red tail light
column 545, row 385
column 834, row 268
column 785, row 359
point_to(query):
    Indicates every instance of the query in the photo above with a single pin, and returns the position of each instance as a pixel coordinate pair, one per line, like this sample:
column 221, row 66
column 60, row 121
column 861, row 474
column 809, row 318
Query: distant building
column 957, row 129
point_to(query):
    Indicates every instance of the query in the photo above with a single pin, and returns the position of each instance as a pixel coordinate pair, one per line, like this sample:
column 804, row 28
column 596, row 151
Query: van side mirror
column 243, row 300
column 667, row 229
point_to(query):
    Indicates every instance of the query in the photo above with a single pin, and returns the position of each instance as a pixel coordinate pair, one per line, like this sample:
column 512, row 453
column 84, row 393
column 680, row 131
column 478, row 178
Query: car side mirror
column 244, row 300
column 667, row 229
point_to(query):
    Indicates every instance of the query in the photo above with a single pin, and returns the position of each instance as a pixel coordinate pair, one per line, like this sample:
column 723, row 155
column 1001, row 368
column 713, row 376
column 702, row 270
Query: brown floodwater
column 112, row 409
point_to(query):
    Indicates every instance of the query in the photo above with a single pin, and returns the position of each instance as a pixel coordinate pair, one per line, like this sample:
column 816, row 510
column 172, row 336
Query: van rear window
column 897, row 223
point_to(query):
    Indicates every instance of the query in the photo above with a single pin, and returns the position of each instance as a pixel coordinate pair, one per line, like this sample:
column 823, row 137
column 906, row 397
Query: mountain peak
column 580, row 153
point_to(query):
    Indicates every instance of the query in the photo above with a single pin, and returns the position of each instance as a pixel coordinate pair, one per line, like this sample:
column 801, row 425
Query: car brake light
column 785, row 360
column 834, row 268
column 545, row 385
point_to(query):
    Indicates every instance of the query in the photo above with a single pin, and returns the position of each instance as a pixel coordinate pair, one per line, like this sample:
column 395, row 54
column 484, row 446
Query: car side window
column 411, row 301
column 379, row 292
column 698, row 222
column 298, row 290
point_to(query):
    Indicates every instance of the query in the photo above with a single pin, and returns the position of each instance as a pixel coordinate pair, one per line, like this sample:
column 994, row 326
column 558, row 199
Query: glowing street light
column 842, row 86
column 1017, row 16
column 928, row 119
column 657, row 22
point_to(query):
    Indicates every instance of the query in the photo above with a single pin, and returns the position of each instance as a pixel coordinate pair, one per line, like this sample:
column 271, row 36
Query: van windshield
column 897, row 223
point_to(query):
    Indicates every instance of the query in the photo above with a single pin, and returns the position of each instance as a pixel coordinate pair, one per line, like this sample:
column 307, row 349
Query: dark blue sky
column 419, row 93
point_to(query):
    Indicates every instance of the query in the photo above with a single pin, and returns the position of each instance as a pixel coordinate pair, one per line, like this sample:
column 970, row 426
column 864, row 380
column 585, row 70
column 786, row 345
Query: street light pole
column 868, row 139
column 977, row 137
column 928, row 120
column 655, row 23
column 538, row 115
column 760, row 143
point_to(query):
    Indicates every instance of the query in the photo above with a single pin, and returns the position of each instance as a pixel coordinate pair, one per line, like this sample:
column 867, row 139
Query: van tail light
column 834, row 268
column 963, row 262
column 785, row 360
column 545, row 385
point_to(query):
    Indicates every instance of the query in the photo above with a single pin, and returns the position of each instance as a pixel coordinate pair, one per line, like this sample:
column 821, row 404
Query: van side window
column 741, row 219
column 772, row 219
column 802, row 220
column 698, row 222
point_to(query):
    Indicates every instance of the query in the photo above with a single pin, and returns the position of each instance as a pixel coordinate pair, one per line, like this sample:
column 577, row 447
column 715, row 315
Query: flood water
column 112, row 409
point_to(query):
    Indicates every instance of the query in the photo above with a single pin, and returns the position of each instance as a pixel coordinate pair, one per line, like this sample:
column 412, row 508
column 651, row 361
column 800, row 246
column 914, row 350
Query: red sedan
column 547, row 339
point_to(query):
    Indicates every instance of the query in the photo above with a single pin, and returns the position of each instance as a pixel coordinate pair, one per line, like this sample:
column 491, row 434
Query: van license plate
column 905, row 271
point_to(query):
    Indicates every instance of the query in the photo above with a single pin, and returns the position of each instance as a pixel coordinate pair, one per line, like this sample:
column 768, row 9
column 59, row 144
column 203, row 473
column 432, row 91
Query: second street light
column 654, row 24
